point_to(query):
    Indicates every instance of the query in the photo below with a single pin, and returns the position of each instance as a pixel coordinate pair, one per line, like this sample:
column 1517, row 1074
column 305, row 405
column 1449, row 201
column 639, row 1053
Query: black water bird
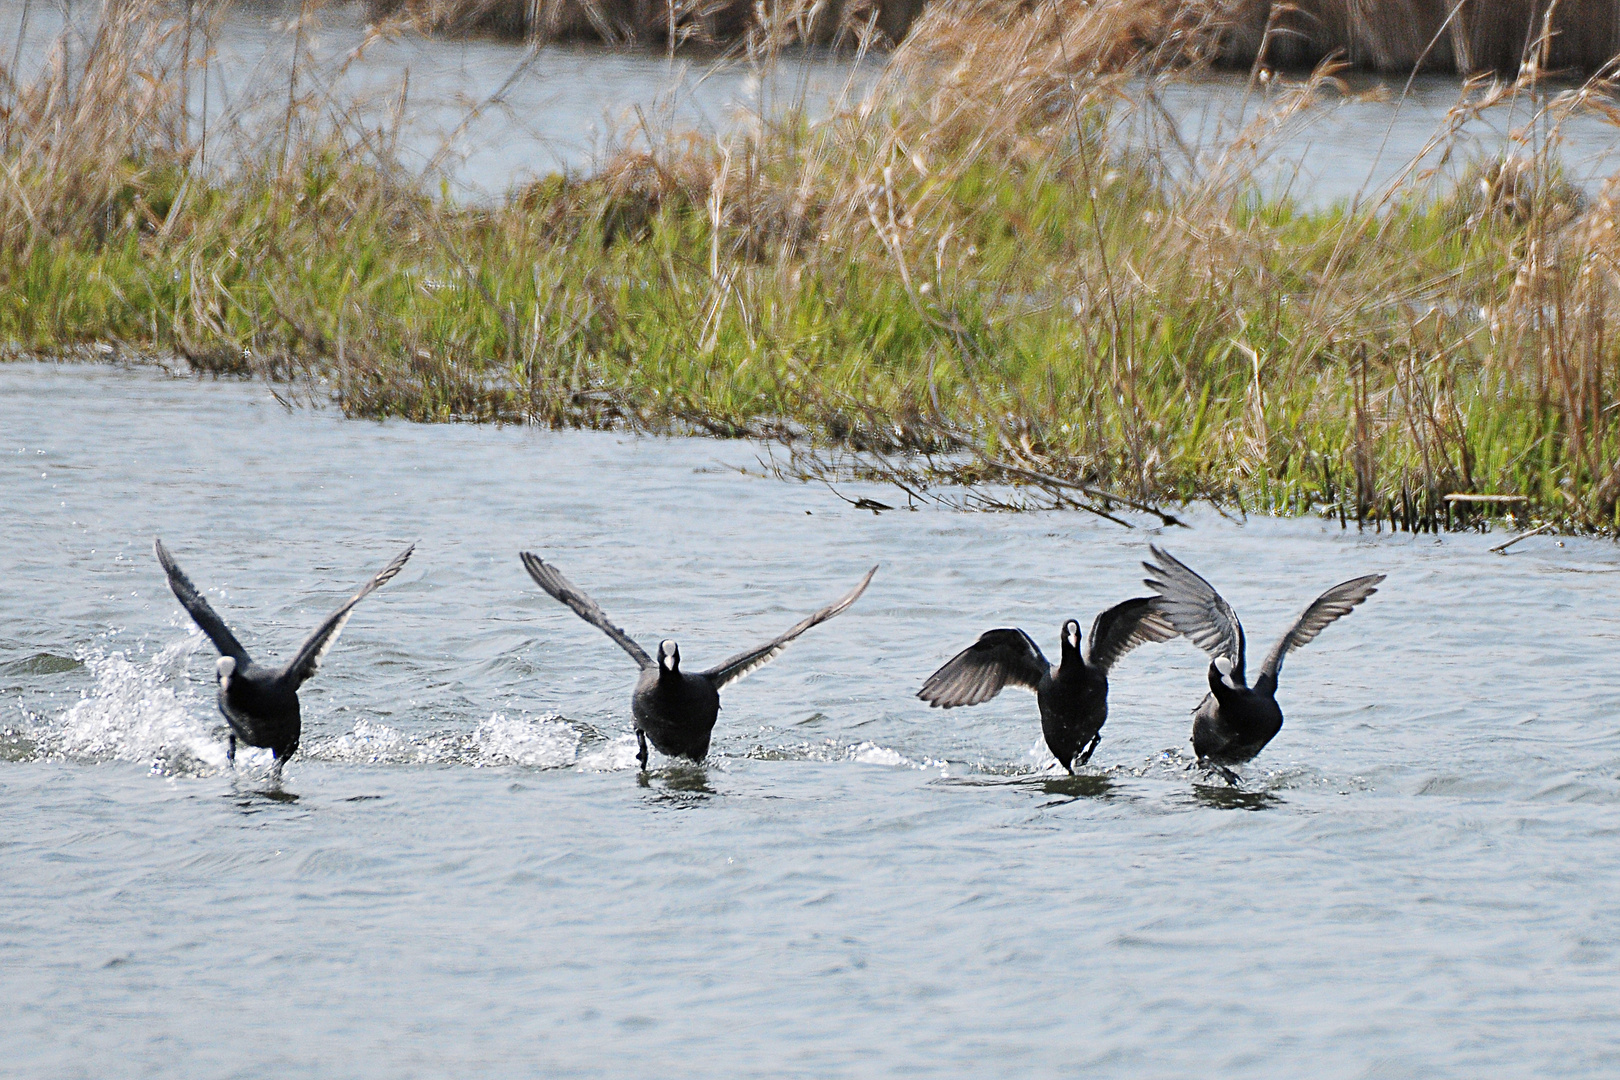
column 261, row 703
column 675, row 709
column 1235, row 721
column 1073, row 695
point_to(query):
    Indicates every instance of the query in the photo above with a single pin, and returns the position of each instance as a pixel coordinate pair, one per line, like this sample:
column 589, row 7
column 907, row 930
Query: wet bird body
column 676, row 711
column 1073, row 700
column 673, row 709
column 261, row 708
column 1072, row 695
column 1235, row 721
column 260, row 703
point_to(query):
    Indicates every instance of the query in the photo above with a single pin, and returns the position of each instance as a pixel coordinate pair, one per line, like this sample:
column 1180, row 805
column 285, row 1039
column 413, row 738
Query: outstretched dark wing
column 978, row 672
column 318, row 644
column 1196, row 610
column 1336, row 603
column 198, row 608
column 549, row 578
column 1123, row 627
column 754, row 659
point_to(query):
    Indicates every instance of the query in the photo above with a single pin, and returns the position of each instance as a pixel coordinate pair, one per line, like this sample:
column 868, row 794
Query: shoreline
column 957, row 282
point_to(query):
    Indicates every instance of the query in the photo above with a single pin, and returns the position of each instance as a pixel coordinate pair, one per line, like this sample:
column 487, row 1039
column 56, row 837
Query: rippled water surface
column 464, row 876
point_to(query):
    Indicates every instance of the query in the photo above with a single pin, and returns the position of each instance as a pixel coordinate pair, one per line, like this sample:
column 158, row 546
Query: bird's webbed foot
column 641, row 752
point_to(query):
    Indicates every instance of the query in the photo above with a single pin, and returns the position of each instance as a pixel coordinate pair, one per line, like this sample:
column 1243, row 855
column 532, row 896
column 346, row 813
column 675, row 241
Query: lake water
column 487, row 115
column 464, row 875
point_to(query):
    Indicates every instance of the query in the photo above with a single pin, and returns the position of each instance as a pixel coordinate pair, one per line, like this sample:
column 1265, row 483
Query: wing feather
column 1123, row 627
column 197, row 607
column 320, row 642
column 1334, row 604
column 754, row 659
column 551, row 579
column 980, row 671
column 1196, row 610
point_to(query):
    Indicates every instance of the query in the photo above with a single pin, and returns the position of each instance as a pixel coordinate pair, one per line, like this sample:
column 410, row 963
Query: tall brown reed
column 78, row 135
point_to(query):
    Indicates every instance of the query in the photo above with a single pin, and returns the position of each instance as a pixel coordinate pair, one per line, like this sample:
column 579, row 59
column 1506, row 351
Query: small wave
column 41, row 663
column 1257, row 776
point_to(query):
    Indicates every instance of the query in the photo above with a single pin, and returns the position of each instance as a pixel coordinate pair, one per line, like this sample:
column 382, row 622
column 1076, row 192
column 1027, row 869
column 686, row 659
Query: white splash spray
column 138, row 710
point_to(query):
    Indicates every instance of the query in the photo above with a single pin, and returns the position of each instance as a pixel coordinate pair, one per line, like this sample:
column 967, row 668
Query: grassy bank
column 963, row 279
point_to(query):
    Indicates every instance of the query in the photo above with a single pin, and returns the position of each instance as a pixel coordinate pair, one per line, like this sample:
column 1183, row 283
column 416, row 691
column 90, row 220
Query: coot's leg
column 276, row 763
column 641, row 754
column 1219, row 770
column 1085, row 755
column 230, row 750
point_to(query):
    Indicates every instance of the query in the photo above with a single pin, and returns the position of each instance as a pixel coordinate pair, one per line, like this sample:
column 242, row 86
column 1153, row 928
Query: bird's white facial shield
column 1071, row 634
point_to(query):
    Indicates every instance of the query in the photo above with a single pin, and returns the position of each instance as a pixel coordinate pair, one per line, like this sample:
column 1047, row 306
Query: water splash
column 373, row 743
column 137, row 710
column 147, row 710
column 543, row 742
column 547, row 743
column 835, row 750
column 609, row 755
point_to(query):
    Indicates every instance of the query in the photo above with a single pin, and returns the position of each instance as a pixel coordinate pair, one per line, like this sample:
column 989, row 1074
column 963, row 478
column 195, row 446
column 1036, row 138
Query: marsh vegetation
column 959, row 281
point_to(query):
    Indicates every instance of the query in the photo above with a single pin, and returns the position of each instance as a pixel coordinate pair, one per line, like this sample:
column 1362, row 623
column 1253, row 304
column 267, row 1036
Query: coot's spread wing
column 198, row 608
column 979, row 672
column 1125, row 626
column 549, row 578
column 1336, row 603
column 1196, row 610
column 754, row 659
column 319, row 643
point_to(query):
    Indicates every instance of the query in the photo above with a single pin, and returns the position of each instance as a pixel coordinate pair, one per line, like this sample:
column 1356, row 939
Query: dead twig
column 1501, row 549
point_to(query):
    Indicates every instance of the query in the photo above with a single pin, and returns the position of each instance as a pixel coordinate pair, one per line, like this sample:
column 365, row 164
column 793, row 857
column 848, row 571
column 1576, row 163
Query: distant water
column 465, row 877
column 489, row 115
column 1379, row 131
